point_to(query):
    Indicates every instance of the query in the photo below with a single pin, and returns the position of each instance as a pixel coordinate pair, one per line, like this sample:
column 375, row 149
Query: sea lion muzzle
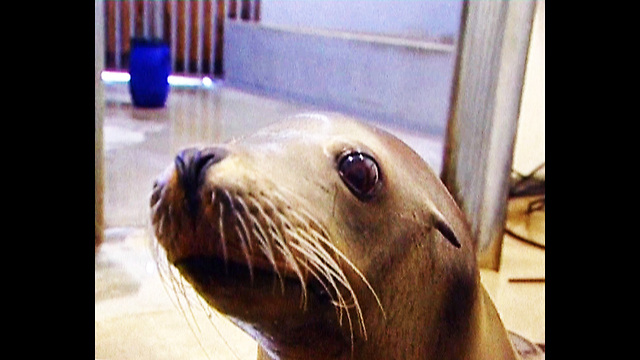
column 191, row 165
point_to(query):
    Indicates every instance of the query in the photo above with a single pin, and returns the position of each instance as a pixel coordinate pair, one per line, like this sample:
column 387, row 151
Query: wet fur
column 398, row 288
column 267, row 227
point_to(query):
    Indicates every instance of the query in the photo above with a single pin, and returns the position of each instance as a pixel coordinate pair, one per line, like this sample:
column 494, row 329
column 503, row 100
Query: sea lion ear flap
column 441, row 224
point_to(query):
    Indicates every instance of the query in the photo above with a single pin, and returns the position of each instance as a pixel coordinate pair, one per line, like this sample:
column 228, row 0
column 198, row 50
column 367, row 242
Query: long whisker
column 167, row 276
column 334, row 271
column 279, row 239
column 240, row 219
column 223, row 241
column 304, row 248
column 265, row 246
column 318, row 265
column 320, row 236
column 180, row 292
column 354, row 268
column 244, row 243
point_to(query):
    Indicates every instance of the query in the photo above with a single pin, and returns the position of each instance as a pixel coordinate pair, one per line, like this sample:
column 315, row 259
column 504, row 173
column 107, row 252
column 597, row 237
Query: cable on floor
column 528, row 185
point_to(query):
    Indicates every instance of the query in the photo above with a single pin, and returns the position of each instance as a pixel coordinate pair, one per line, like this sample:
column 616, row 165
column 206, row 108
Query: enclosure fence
column 194, row 30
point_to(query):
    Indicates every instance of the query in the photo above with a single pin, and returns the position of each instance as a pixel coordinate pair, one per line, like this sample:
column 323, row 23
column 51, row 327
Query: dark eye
column 360, row 173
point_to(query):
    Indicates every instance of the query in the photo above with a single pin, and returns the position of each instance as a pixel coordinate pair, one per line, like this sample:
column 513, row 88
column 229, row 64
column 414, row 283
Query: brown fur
column 332, row 277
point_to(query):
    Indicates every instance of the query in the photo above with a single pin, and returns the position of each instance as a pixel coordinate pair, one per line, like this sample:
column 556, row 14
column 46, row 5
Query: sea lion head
column 321, row 237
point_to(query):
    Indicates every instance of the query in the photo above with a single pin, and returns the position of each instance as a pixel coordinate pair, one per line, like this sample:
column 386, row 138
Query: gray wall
column 433, row 18
column 391, row 81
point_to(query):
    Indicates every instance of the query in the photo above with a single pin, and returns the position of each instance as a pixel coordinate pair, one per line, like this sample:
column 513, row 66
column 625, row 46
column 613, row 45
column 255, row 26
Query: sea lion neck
column 312, row 341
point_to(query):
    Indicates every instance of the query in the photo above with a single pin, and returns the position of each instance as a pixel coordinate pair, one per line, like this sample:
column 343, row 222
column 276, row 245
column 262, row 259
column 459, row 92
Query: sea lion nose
column 191, row 165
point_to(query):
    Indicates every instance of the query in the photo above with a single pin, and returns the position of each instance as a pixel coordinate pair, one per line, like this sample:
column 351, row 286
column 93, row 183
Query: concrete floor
column 135, row 316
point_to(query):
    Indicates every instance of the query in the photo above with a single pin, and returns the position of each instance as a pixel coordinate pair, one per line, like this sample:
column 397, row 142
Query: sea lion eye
column 360, row 173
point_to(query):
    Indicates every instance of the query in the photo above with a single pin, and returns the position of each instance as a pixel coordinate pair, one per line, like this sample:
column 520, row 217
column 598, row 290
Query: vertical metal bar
column 125, row 20
column 139, row 18
column 256, row 10
column 174, row 37
column 132, row 19
column 145, row 19
column 118, row 36
column 208, row 37
column 218, row 69
column 233, row 9
column 158, row 19
column 193, row 39
column 245, row 10
column 166, row 21
column 484, row 113
column 109, row 33
column 187, row 35
column 214, row 21
column 180, row 38
column 151, row 18
column 200, row 37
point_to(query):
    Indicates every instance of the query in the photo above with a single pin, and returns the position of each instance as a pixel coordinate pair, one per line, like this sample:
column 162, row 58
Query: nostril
column 191, row 165
column 182, row 160
column 201, row 163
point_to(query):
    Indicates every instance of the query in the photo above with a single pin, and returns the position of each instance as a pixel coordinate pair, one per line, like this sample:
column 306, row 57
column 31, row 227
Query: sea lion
column 325, row 238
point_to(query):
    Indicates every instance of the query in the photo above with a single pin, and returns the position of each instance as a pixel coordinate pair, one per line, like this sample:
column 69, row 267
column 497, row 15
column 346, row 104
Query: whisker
column 247, row 256
column 170, row 276
column 331, row 269
column 355, row 269
column 223, row 241
column 266, row 248
column 241, row 220
column 303, row 217
column 206, row 308
column 326, row 266
column 160, row 221
column 277, row 237
column 321, row 280
column 317, row 264
column 178, row 289
column 304, row 247
column 243, row 244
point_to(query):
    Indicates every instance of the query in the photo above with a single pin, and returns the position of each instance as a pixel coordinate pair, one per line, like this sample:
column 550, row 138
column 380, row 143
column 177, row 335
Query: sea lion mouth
column 207, row 271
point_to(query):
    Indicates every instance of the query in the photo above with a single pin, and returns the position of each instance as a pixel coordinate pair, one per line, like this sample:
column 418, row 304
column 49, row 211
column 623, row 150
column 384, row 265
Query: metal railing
column 194, row 30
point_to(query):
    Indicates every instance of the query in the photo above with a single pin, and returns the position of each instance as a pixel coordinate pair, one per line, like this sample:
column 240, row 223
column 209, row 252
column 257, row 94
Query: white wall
column 530, row 139
column 395, row 84
column 391, row 17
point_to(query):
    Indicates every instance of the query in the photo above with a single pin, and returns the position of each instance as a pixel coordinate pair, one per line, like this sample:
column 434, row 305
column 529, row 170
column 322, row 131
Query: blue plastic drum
column 149, row 67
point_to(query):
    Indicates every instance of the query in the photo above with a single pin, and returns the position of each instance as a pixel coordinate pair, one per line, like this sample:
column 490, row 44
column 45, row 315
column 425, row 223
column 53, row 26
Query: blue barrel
column 149, row 67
